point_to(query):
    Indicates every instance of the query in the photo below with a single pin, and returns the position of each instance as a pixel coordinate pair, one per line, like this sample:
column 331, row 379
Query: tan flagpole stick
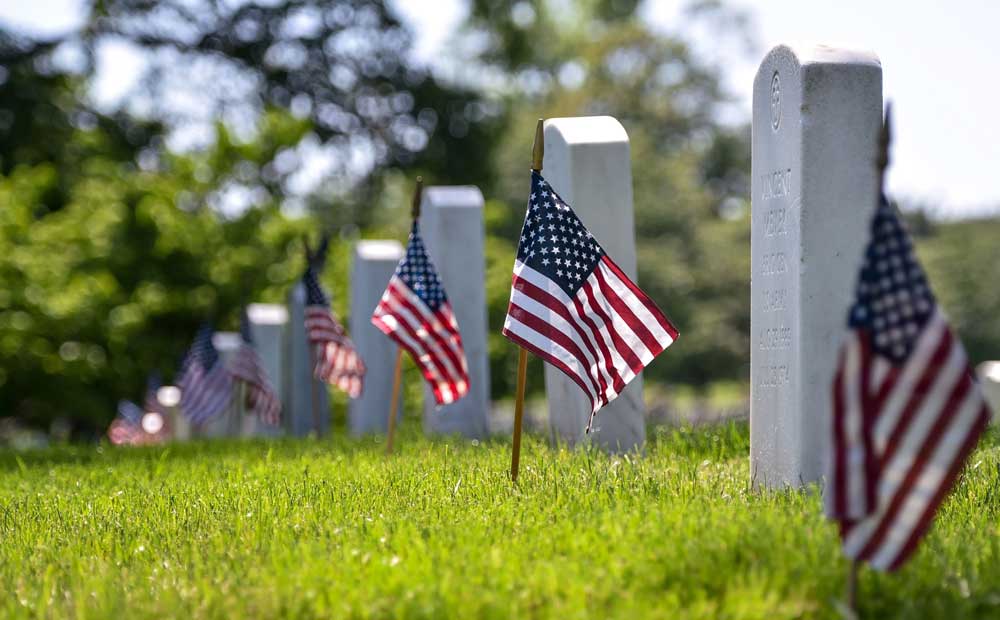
column 852, row 587
column 394, row 404
column 522, row 373
column 418, row 192
column 537, row 158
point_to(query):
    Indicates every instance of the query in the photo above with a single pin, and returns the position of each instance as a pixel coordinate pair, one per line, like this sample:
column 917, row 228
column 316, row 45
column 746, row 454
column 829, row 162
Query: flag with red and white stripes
column 336, row 360
column 126, row 429
column 206, row 387
column 571, row 305
column 906, row 408
column 414, row 311
column 246, row 367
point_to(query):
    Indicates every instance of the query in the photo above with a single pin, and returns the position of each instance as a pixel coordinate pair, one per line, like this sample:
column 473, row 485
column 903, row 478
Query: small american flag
column 415, row 313
column 572, row 306
column 126, row 429
column 906, row 409
column 246, row 367
column 337, row 362
column 206, row 387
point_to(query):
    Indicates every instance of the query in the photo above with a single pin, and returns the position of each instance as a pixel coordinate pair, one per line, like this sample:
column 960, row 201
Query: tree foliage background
column 118, row 236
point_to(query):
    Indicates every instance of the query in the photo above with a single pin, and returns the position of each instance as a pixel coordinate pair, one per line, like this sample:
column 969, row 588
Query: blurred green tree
column 111, row 251
column 95, row 295
column 113, row 248
column 345, row 66
column 961, row 262
column 690, row 173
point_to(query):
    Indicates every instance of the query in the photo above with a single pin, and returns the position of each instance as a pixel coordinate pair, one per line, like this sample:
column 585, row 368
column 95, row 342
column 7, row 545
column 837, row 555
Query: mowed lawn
column 333, row 528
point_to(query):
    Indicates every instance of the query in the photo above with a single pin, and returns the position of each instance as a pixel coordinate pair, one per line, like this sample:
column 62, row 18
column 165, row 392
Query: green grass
column 334, row 529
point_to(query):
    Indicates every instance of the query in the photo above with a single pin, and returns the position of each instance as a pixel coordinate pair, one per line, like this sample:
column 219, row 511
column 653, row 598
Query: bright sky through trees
column 939, row 60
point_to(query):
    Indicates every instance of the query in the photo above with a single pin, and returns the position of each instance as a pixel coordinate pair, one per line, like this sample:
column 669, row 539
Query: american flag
column 337, row 362
column 573, row 306
column 246, row 367
column 415, row 313
column 130, row 412
column 906, row 409
column 126, row 428
column 206, row 387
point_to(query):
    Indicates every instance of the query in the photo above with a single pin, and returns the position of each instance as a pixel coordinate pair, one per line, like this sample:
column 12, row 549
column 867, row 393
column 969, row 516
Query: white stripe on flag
column 432, row 352
column 902, row 390
column 415, row 346
column 545, row 344
column 857, row 489
column 637, row 307
column 910, row 514
column 618, row 364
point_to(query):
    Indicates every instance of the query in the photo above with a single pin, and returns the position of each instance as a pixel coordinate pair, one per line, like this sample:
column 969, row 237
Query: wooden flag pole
column 394, row 403
column 522, row 375
column 852, row 587
column 537, row 157
column 418, row 192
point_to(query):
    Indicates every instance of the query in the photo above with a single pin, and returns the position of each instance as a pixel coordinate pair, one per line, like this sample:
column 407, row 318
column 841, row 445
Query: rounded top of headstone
column 379, row 249
column 453, row 196
column 227, row 341
column 586, row 129
column 818, row 53
column 989, row 371
column 267, row 314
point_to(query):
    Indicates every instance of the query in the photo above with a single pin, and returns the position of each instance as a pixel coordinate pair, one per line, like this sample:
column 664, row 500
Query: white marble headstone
column 451, row 223
column 817, row 112
column 374, row 264
column 587, row 162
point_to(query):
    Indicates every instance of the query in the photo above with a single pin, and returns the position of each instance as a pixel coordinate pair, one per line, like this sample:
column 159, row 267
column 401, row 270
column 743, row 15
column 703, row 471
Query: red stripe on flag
column 546, row 330
column 927, row 517
column 624, row 350
column 428, row 318
column 644, row 299
column 436, row 376
column 626, row 314
column 548, row 357
column 916, row 468
column 617, row 382
column 917, row 395
column 543, row 297
column 839, row 443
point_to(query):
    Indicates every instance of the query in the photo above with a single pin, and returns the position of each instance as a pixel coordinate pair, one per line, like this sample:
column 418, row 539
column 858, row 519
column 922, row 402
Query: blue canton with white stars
column 554, row 241
column 893, row 300
column 202, row 349
column 417, row 272
column 314, row 292
column 130, row 412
